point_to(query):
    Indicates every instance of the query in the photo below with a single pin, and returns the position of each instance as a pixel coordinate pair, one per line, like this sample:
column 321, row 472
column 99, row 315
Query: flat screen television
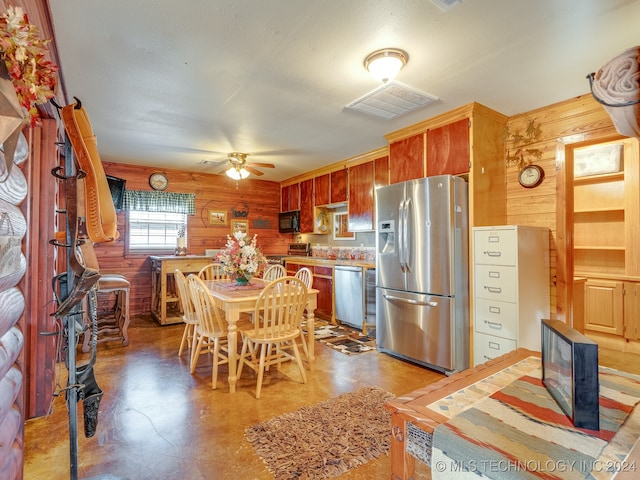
column 116, row 186
column 570, row 372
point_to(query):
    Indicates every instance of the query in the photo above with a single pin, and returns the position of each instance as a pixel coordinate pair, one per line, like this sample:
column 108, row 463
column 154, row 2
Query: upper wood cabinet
column 290, row 198
column 339, row 186
column 306, row 206
column 363, row 180
column 406, row 159
column 448, row 149
column 321, row 190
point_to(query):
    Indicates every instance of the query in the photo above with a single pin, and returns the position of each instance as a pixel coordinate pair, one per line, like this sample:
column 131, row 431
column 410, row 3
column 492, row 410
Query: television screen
column 116, row 186
column 570, row 372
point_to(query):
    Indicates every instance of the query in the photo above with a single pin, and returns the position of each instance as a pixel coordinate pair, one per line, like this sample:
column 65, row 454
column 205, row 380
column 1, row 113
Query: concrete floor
column 159, row 422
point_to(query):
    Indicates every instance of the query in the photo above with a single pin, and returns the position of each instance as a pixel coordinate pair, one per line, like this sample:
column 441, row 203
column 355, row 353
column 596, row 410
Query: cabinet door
column 339, row 186
column 361, row 197
column 294, row 196
column 406, row 159
column 381, row 172
column 321, row 190
column 306, row 206
column 631, row 310
column 284, row 198
column 325, row 296
column 603, row 305
column 448, row 149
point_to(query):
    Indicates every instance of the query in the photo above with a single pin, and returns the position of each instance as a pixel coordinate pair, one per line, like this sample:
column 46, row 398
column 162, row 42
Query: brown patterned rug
column 327, row 439
column 344, row 339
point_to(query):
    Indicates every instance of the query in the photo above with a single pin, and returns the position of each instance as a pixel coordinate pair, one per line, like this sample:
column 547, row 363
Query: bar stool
column 112, row 324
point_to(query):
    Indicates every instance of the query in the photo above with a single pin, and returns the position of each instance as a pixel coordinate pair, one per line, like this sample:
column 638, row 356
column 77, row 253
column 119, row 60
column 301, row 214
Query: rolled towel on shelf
column 617, row 87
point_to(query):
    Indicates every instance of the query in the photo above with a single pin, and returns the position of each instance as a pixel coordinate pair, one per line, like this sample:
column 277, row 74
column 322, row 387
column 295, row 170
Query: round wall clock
column 158, row 181
column 531, row 176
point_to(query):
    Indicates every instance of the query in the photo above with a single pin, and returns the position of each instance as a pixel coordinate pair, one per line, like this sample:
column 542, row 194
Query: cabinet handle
column 494, row 325
column 493, row 254
column 493, row 289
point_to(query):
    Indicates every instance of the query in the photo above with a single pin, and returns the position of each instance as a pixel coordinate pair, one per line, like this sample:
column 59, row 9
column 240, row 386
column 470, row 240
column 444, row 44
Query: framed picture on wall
column 240, row 226
column 217, row 218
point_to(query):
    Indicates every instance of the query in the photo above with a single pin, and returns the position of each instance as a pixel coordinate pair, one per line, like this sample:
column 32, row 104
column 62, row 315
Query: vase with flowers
column 242, row 259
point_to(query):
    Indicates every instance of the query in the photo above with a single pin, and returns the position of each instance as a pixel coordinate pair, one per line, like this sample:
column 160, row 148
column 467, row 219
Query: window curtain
column 143, row 201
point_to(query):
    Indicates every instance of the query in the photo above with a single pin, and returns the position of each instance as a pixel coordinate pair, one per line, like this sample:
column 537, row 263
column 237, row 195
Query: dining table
column 236, row 299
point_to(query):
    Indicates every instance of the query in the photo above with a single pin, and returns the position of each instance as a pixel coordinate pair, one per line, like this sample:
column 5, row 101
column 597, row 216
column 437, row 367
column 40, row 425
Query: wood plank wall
column 261, row 199
column 577, row 119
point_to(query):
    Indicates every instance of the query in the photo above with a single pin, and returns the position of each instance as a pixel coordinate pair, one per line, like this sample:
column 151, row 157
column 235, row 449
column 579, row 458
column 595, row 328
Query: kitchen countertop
column 367, row 264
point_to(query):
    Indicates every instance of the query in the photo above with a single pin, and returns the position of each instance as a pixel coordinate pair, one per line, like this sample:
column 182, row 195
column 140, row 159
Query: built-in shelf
column 600, row 210
column 599, row 247
column 607, row 177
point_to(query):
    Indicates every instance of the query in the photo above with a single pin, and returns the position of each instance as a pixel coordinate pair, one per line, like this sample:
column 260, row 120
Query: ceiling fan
column 237, row 167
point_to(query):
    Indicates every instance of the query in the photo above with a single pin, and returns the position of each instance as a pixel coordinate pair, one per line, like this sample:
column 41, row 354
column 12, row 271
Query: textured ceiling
column 169, row 84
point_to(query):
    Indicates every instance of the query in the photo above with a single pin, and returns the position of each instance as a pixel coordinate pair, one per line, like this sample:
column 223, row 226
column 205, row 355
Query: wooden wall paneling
column 260, row 198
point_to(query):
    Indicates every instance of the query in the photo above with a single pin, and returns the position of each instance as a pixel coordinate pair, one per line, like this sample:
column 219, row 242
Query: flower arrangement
column 240, row 258
column 23, row 52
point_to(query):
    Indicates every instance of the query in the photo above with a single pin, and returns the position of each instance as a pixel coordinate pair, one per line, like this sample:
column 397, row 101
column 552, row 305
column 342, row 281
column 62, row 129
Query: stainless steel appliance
column 422, row 307
column 349, row 296
column 370, row 298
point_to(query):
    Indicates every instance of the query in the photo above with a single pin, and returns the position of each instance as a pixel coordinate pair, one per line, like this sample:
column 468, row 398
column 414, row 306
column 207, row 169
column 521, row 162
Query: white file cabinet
column 511, row 288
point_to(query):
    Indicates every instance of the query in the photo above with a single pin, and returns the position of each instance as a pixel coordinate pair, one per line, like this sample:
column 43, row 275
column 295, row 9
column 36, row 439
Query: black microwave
column 289, row 222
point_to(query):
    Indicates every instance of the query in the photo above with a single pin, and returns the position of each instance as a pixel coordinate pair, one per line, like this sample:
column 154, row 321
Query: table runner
column 519, row 430
column 235, row 286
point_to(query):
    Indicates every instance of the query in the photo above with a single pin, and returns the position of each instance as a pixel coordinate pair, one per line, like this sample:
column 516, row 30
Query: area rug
column 327, row 439
column 344, row 339
column 521, row 430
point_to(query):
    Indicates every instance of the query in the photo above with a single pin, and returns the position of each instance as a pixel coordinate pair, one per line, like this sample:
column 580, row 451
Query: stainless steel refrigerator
column 422, row 285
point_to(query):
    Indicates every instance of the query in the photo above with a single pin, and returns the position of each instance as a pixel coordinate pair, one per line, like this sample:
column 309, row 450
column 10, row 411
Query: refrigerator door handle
column 401, row 236
column 407, row 236
column 393, row 298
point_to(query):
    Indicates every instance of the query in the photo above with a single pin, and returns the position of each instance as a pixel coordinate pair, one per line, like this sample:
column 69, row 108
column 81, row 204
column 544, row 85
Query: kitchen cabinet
column 406, row 158
column 321, row 190
column 339, row 180
column 363, row 180
column 322, row 281
column 290, row 197
column 603, row 306
column 306, row 206
column 448, row 149
column 511, row 288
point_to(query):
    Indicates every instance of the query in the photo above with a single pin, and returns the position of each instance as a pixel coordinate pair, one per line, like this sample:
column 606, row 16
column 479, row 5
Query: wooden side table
column 164, row 298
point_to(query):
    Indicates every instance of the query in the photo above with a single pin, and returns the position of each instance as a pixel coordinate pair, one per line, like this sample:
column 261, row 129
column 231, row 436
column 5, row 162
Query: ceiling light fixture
column 385, row 64
column 238, row 173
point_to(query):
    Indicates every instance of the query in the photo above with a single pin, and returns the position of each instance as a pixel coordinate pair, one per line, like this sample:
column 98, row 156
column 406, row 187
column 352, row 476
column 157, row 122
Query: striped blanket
column 519, row 431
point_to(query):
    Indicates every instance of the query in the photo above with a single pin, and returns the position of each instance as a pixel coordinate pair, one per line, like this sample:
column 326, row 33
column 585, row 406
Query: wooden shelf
column 599, row 210
column 607, row 177
column 600, row 247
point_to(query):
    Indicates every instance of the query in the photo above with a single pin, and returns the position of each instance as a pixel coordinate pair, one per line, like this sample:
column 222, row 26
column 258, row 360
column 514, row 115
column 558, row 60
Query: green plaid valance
column 143, row 201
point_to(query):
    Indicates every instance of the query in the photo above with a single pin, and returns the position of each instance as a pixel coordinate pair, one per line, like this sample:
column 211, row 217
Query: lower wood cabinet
column 613, row 307
column 323, row 282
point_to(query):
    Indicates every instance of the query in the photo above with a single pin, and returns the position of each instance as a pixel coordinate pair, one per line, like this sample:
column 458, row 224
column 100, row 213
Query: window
column 154, row 230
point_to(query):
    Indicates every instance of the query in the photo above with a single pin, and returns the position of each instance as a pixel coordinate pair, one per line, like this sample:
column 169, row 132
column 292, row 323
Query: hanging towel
column 617, row 87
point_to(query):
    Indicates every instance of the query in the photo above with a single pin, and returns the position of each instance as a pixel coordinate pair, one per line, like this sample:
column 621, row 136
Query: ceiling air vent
column 446, row 5
column 391, row 100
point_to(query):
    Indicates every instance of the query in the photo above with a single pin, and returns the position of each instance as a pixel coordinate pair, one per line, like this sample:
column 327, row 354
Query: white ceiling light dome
column 385, row 64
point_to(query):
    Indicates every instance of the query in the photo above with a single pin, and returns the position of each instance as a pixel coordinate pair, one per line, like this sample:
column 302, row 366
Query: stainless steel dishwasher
column 349, row 295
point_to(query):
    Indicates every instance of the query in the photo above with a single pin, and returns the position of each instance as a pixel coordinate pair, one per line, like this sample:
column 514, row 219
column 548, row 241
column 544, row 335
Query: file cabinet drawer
column 496, row 283
column 494, row 247
column 488, row 347
column 496, row 318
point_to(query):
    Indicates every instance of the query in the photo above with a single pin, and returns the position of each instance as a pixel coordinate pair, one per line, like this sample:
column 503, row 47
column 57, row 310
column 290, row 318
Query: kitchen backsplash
column 347, row 253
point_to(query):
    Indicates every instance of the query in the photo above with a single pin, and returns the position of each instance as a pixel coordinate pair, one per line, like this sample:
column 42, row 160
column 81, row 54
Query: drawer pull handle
column 493, row 254
column 494, row 345
column 494, row 325
column 392, row 298
column 494, row 309
column 493, row 289
column 487, row 357
column 494, row 274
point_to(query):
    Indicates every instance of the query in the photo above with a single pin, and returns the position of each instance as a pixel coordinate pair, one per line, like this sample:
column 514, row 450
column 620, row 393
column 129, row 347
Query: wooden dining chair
column 274, row 272
column 210, row 329
column 213, row 271
column 189, row 316
column 306, row 276
column 273, row 337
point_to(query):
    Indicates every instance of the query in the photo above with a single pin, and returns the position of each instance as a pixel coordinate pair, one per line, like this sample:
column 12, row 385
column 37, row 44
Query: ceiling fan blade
column 262, row 165
column 253, row 170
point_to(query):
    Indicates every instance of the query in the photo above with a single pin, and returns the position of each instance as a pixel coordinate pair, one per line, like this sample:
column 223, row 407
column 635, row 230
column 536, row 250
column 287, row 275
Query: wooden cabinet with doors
column 448, row 149
column 406, row 158
column 290, row 197
column 306, row 206
column 338, row 189
column 322, row 281
column 321, row 190
column 363, row 180
column 606, row 222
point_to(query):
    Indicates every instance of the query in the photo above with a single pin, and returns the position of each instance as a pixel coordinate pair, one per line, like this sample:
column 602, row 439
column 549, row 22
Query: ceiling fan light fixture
column 238, row 173
column 385, row 64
